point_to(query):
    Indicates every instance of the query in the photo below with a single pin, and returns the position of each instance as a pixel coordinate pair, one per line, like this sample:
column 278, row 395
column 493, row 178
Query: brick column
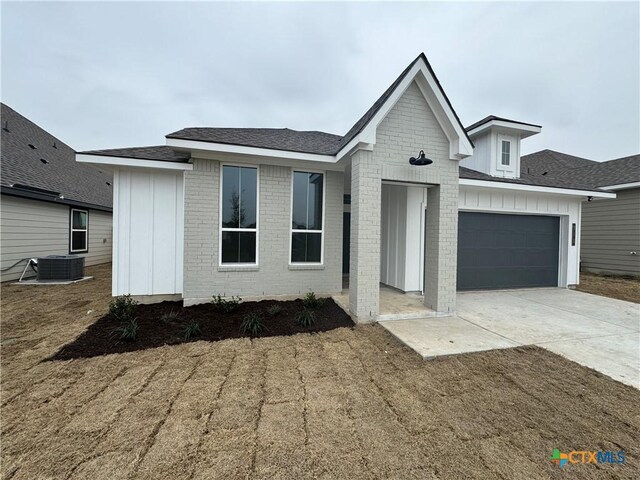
column 442, row 248
column 364, row 267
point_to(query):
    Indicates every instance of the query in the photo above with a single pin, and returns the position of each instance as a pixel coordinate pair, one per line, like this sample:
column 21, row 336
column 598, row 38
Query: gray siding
column 31, row 228
column 203, row 277
column 610, row 231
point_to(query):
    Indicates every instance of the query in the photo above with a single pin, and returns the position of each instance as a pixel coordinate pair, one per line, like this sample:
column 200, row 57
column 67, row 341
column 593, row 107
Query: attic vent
column 6, row 126
column 32, row 146
column 55, row 145
column 44, row 161
column 544, row 173
column 108, row 183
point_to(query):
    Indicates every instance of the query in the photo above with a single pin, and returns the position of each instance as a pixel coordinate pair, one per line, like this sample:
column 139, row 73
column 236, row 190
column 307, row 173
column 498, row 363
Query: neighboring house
column 50, row 204
column 610, row 233
column 261, row 212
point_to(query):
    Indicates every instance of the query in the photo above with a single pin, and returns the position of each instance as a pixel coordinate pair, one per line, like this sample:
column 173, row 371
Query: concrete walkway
column 598, row 332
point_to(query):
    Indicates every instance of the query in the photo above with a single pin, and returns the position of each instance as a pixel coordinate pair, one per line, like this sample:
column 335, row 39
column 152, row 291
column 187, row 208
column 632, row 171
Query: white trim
column 621, row 186
column 248, row 230
column 534, row 188
column 526, row 130
column 460, row 146
column 297, row 230
column 85, row 230
column 243, row 150
column 501, row 165
column 131, row 162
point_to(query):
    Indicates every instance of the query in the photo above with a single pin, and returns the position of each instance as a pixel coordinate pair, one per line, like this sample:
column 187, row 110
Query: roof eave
column 535, row 188
column 113, row 161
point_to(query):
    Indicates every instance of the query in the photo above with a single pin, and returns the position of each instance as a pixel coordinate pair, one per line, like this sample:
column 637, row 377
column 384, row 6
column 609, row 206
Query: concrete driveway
column 598, row 332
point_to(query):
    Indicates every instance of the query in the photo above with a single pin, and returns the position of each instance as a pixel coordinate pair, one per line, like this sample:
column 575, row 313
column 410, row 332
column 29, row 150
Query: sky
column 120, row 74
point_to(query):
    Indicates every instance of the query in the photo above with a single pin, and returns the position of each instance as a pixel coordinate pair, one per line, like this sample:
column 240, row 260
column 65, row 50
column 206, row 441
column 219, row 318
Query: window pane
column 300, row 186
column 248, row 197
column 314, row 219
column 239, row 197
column 238, row 247
column 306, row 247
column 79, row 219
column 307, row 201
column 78, row 241
column 230, row 197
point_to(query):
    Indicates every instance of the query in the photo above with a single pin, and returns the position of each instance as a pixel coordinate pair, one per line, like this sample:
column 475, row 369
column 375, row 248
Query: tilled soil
column 101, row 338
column 622, row 288
column 347, row 403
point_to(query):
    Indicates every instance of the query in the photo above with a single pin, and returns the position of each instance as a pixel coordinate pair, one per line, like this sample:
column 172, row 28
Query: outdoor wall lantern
column 421, row 160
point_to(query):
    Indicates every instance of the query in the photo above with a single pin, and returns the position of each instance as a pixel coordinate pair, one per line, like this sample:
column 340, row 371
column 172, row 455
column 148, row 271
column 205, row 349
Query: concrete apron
column 597, row 332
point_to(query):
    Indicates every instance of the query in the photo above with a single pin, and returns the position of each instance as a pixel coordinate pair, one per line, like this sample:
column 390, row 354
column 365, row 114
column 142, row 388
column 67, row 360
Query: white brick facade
column 203, row 277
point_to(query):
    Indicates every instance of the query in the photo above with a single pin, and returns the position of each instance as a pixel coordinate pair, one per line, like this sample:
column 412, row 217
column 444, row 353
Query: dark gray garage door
column 507, row 251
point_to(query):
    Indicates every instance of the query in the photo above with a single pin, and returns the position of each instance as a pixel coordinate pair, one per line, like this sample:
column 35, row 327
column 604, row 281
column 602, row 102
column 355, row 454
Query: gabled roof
column 312, row 142
column 160, row 153
column 35, row 164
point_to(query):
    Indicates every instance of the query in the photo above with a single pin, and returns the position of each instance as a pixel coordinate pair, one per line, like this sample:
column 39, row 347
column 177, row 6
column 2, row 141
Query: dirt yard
column 349, row 403
column 622, row 288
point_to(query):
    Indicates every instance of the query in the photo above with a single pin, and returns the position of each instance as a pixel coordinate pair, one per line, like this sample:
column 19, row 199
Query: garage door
column 507, row 251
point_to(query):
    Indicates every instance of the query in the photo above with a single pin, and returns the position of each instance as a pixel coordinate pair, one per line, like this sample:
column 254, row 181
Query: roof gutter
column 535, row 188
column 43, row 197
column 621, row 186
column 131, row 162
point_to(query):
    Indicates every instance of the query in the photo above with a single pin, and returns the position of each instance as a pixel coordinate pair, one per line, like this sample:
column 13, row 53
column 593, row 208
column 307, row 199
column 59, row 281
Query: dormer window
column 505, row 159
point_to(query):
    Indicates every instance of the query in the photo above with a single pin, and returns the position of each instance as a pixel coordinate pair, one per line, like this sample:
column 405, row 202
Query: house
column 610, row 233
column 261, row 212
column 50, row 204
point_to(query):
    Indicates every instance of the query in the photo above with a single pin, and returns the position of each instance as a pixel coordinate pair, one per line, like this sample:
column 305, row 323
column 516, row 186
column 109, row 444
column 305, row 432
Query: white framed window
column 505, row 153
column 238, row 215
column 78, row 231
column 307, row 218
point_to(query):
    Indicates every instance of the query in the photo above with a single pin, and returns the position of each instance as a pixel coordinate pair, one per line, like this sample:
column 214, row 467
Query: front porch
column 394, row 304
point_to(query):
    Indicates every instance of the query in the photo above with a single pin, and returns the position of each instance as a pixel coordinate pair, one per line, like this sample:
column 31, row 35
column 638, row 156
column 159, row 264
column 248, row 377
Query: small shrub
column 192, row 330
column 311, row 301
column 225, row 305
column 122, row 307
column 274, row 309
column 305, row 317
column 128, row 331
column 169, row 317
column 252, row 323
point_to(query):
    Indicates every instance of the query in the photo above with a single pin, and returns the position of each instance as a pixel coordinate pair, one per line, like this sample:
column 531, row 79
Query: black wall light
column 421, row 160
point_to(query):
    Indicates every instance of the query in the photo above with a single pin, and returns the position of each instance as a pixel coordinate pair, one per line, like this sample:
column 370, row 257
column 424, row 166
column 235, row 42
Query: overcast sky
column 107, row 75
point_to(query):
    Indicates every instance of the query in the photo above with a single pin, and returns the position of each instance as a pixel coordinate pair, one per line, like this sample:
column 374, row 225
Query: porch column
column 364, row 266
column 441, row 248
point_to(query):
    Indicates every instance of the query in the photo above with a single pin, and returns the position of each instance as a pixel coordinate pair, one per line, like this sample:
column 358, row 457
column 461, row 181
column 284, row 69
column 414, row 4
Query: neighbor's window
column 506, row 153
column 239, row 215
column 79, row 238
column 306, row 224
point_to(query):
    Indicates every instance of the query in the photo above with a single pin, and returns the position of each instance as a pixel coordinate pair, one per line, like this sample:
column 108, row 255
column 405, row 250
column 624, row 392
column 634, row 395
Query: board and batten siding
column 33, row 228
column 476, row 199
column 148, row 232
column 610, row 232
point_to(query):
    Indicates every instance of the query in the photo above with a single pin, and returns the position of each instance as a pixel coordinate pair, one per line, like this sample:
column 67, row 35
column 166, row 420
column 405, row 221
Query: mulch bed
column 99, row 338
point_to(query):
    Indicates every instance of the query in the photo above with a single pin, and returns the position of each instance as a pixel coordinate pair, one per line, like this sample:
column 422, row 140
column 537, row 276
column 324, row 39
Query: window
column 239, row 215
column 79, row 231
column 506, row 153
column 307, row 217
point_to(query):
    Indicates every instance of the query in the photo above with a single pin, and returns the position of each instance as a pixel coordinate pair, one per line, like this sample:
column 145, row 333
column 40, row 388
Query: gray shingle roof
column 548, row 168
column 158, row 153
column 50, row 166
column 271, row 138
column 302, row 141
column 527, row 179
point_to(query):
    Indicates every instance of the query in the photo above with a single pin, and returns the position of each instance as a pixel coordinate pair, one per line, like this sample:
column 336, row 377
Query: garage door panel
column 507, row 251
